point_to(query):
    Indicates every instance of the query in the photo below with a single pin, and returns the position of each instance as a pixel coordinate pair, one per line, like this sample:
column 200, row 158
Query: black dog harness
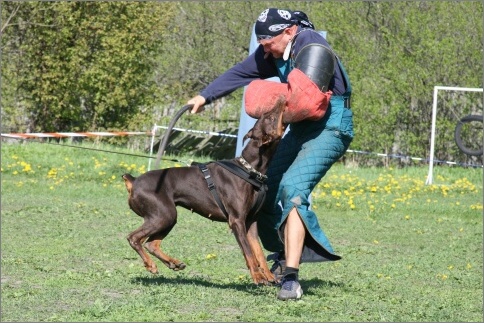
column 243, row 170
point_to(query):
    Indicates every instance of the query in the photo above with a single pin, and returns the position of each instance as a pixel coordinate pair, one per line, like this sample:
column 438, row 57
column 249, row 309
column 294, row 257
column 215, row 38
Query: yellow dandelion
column 476, row 207
column 335, row 193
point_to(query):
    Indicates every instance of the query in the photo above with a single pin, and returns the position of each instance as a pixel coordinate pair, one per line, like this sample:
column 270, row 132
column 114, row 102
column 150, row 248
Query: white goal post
column 434, row 118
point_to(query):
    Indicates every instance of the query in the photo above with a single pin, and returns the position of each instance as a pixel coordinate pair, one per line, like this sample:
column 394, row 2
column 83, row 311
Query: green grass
column 411, row 252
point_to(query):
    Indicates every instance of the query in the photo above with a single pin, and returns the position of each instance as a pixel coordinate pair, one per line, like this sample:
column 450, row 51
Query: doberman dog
column 217, row 190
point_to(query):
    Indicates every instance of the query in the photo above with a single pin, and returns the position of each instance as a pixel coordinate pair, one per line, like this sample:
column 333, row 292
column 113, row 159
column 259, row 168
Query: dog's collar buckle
column 260, row 177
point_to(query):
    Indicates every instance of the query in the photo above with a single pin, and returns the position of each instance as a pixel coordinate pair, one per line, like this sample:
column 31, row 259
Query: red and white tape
column 73, row 134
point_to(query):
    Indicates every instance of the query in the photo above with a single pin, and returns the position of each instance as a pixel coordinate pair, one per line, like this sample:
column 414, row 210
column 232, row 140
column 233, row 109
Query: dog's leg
column 253, row 238
column 240, row 233
column 153, row 245
column 136, row 240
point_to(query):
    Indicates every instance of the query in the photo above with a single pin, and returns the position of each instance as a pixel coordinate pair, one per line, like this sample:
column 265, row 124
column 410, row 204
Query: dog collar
column 261, row 177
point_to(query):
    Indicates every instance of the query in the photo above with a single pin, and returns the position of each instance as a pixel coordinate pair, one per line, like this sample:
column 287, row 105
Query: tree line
column 95, row 66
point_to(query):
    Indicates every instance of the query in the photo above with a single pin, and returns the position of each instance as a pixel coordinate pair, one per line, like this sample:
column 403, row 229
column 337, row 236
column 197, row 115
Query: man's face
column 276, row 45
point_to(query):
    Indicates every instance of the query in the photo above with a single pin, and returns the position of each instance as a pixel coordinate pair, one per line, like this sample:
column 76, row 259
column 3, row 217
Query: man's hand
column 198, row 103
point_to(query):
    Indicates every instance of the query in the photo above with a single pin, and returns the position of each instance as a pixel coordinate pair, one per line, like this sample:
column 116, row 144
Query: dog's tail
column 128, row 181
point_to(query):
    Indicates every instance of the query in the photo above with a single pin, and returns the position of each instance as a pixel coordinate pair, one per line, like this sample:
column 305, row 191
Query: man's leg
column 294, row 234
column 313, row 161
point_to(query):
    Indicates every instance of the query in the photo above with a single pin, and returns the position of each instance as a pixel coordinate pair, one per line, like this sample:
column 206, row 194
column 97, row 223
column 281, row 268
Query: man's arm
column 252, row 68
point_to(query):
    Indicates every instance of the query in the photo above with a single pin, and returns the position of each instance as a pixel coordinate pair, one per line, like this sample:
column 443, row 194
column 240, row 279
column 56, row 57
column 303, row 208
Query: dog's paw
column 264, row 278
column 261, row 279
column 152, row 269
column 177, row 266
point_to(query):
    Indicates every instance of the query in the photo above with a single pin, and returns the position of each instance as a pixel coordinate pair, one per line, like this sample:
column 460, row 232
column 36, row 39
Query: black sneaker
column 290, row 289
column 279, row 264
column 278, row 268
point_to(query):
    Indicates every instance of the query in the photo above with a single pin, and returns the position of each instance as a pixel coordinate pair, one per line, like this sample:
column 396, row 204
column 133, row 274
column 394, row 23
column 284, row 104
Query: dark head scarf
column 273, row 21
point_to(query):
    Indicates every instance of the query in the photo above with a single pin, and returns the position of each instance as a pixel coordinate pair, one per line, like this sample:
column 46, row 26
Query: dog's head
column 269, row 127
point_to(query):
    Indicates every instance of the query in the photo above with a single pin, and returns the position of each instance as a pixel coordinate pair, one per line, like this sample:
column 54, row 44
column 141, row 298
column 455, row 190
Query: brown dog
column 214, row 191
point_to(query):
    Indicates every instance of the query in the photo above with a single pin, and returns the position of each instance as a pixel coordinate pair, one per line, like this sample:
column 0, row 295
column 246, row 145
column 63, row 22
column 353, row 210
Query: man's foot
column 278, row 266
column 290, row 289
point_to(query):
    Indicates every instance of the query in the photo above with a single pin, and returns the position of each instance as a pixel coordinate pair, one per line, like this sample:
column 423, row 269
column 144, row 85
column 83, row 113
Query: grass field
column 411, row 252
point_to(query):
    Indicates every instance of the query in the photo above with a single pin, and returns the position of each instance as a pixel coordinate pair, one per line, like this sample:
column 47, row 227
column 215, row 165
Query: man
column 320, row 121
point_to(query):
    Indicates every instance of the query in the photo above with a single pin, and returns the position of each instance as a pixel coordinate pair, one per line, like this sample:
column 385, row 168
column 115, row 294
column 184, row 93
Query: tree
column 395, row 53
column 76, row 66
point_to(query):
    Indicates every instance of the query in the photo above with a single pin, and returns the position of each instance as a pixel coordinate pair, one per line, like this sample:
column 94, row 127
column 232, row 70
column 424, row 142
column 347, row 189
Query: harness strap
column 346, row 79
column 252, row 177
column 241, row 172
column 261, row 196
column 211, row 187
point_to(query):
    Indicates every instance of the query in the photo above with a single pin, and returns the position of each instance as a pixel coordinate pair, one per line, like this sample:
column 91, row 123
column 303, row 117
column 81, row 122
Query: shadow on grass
column 307, row 285
column 160, row 280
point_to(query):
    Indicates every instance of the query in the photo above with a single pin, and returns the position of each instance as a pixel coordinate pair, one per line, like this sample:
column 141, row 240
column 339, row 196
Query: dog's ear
column 248, row 135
